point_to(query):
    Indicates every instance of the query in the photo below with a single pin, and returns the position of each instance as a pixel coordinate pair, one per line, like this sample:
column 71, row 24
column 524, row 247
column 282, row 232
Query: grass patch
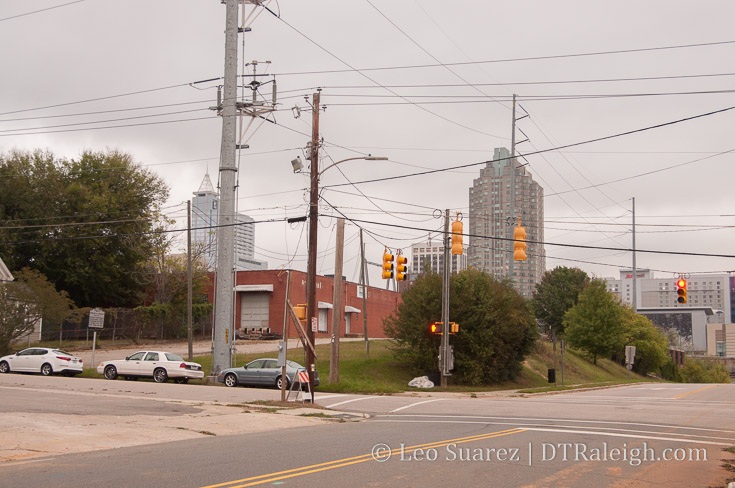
column 382, row 374
column 318, row 415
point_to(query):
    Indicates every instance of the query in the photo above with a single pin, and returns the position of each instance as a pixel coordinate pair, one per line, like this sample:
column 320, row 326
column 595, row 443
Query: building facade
column 260, row 301
column 431, row 253
column 494, row 209
column 703, row 290
column 204, row 218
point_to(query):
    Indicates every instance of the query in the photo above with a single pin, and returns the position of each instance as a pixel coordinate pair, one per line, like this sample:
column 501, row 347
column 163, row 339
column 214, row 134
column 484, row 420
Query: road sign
column 314, row 324
column 96, row 318
column 629, row 355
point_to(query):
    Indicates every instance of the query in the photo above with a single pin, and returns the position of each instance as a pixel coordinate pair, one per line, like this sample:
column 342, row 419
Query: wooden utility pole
column 338, row 310
column 189, row 291
column 312, row 313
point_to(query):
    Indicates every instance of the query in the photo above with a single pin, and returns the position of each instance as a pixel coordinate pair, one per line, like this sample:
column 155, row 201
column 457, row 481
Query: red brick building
column 260, row 302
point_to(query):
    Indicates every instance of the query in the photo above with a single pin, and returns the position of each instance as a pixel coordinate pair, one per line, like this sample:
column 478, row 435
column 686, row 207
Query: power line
column 557, row 244
column 41, row 10
column 557, row 148
column 511, row 60
column 112, row 126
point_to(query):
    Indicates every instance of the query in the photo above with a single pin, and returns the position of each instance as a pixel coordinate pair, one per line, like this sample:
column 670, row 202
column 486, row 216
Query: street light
column 313, row 226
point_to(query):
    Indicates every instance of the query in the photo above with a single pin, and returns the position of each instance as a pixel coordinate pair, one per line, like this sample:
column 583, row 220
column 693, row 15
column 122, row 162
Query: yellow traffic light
column 457, row 237
column 453, row 327
column 387, row 265
column 401, row 268
column 519, row 245
column 437, row 328
column 300, row 311
column 681, row 290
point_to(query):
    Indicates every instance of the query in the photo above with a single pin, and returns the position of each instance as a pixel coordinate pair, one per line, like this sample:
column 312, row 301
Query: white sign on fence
column 96, row 318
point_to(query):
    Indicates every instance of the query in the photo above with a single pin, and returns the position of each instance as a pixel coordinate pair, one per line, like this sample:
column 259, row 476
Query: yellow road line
column 315, row 468
column 682, row 395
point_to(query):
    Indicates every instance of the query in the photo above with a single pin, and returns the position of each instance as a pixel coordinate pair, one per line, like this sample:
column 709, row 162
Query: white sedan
column 159, row 365
column 42, row 360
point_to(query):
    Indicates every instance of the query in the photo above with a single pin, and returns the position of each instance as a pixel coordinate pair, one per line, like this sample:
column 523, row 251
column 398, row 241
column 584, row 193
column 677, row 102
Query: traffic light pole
column 444, row 350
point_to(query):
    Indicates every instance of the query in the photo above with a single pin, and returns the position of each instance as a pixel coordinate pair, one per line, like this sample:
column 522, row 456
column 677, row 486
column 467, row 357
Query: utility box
column 552, row 375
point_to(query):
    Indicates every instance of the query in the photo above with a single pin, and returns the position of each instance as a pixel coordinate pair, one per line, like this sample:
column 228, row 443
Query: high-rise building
column 432, row 253
column 204, row 218
column 495, row 208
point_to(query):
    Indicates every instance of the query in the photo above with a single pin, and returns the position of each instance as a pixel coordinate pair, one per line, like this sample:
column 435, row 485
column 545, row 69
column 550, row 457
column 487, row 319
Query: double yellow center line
column 682, row 395
column 339, row 463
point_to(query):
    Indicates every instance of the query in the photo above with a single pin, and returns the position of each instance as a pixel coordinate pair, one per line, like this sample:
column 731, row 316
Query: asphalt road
column 640, row 435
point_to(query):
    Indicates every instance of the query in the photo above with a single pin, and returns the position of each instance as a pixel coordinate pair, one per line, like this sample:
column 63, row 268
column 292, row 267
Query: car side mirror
column 127, row 358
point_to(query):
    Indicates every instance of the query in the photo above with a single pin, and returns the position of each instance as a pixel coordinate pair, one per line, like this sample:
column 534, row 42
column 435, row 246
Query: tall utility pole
column 444, row 354
column 189, row 291
column 221, row 357
column 311, row 304
column 511, row 260
column 338, row 311
column 635, row 270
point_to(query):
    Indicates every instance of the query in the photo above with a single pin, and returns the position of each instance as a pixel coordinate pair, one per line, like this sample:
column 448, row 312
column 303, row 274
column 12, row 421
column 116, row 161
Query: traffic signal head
column 300, row 311
column 681, row 290
column 519, row 246
column 401, row 268
column 456, row 237
column 437, row 328
column 387, row 266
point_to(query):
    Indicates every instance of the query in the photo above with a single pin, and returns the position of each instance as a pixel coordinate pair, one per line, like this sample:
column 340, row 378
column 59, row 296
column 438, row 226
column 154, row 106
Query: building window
column 721, row 349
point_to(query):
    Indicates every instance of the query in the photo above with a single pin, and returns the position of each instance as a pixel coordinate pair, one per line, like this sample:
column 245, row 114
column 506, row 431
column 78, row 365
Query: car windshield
column 173, row 357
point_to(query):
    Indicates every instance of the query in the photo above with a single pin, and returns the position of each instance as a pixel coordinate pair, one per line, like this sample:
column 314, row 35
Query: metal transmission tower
column 231, row 109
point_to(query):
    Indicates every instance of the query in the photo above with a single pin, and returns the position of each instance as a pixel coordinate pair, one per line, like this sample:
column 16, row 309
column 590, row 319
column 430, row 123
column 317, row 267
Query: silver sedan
column 262, row 372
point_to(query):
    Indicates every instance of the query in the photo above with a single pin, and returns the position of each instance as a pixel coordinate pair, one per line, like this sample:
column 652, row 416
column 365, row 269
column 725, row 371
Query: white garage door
column 254, row 310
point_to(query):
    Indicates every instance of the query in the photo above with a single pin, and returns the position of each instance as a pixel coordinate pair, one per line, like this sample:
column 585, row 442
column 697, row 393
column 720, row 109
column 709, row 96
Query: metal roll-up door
column 255, row 310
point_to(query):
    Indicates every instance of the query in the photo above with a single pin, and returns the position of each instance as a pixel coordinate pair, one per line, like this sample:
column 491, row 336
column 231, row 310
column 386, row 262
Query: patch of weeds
column 206, row 432
column 319, row 415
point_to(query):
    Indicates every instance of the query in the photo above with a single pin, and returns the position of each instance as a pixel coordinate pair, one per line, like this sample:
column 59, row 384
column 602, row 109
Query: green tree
column 26, row 301
column 85, row 223
column 496, row 331
column 557, row 292
column 595, row 324
column 650, row 343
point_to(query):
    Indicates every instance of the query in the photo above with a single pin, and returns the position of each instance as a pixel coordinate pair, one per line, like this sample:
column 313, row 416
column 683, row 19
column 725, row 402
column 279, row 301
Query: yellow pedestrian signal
column 437, row 328
column 457, row 237
column 519, row 244
column 401, row 268
column 681, row 290
column 387, row 265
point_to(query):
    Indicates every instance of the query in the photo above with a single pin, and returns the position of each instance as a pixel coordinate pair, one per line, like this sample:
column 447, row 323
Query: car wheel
column 279, row 386
column 160, row 375
column 230, row 380
column 4, row 367
column 111, row 372
column 47, row 370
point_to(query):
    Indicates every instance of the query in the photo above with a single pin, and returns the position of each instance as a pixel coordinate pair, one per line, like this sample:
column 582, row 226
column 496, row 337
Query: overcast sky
column 682, row 184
